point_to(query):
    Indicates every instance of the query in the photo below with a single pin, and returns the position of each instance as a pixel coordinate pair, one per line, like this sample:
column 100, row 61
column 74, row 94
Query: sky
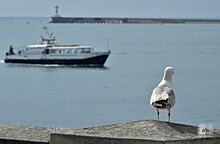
column 112, row 8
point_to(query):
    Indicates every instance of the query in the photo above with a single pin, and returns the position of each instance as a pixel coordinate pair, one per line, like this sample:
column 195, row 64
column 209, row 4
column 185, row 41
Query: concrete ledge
column 74, row 139
column 17, row 134
column 136, row 132
column 12, row 141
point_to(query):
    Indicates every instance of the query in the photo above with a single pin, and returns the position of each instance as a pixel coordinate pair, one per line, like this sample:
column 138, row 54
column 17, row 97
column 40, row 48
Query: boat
column 49, row 52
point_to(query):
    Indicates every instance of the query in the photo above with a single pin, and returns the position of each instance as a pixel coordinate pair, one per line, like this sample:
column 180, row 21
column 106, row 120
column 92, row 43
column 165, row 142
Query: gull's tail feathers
column 160, row 103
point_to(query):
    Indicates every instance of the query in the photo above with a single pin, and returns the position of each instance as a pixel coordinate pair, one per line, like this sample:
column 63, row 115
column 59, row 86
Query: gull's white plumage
column 163, row 96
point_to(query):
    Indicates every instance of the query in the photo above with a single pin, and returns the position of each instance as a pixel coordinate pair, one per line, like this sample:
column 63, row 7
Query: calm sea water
column 73, row 97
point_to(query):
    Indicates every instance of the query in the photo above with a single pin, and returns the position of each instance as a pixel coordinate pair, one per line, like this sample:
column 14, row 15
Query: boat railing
column 67, row 45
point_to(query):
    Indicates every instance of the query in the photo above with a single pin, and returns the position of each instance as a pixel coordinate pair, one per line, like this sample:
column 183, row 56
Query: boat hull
column 92, row 61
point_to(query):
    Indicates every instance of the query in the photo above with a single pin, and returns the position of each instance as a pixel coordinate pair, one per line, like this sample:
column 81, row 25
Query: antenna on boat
column 108, row 44
column 51, row 38
column 45, row 28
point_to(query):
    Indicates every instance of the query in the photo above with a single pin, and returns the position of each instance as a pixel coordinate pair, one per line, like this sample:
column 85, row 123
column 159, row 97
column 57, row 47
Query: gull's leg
column 158, row 113
column 169, row 115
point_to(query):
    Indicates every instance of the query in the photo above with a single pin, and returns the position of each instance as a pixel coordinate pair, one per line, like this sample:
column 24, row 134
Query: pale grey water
column 74, row 97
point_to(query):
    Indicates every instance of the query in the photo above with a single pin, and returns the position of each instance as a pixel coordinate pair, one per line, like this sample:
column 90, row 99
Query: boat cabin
column 68, row 50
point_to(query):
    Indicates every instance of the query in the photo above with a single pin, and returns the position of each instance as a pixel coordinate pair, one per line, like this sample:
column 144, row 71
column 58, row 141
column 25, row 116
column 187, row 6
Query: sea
column 79, row 97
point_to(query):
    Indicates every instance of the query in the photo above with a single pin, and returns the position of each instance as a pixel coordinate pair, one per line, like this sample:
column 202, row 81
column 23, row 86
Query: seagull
column 163, row 96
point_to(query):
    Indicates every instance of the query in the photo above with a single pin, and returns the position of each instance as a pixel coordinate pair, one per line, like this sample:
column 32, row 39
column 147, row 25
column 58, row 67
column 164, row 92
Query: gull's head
column 167, row 77
column 168, row 72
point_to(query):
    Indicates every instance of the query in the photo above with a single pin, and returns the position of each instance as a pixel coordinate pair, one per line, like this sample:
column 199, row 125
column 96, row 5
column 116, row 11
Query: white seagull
column 163, row 96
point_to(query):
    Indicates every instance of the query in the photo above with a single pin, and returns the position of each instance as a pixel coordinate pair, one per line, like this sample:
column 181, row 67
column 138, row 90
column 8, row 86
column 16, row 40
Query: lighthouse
column 56, row 10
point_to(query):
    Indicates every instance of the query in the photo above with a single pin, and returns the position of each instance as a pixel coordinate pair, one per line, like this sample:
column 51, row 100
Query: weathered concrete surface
column 138, row 132
column 26, row 134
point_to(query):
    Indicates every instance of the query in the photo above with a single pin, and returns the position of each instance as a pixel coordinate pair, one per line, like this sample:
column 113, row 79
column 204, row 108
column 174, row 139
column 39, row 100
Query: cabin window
column 52, row 51
column 79, row 50
column 68, row 51
column 47, row 51
column 87, row 50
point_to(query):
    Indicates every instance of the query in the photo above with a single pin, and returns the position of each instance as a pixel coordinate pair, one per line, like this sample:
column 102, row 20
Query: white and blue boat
column 49, row 52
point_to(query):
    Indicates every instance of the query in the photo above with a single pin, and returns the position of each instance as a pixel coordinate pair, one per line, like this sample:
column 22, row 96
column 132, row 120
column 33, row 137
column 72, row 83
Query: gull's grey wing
column 162, row 97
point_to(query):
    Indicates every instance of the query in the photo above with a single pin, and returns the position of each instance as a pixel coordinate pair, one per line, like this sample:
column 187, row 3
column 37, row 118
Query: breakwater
column 139, row 132
column 106, row 20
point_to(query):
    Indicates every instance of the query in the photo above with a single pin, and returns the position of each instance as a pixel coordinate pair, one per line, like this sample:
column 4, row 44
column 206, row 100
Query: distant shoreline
column 115, row 20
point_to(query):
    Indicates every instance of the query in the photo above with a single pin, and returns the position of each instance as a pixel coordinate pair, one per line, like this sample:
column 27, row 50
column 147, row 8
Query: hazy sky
column 113, row 8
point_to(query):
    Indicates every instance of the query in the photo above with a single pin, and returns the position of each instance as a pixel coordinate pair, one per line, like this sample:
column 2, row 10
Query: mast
column 51, row 38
